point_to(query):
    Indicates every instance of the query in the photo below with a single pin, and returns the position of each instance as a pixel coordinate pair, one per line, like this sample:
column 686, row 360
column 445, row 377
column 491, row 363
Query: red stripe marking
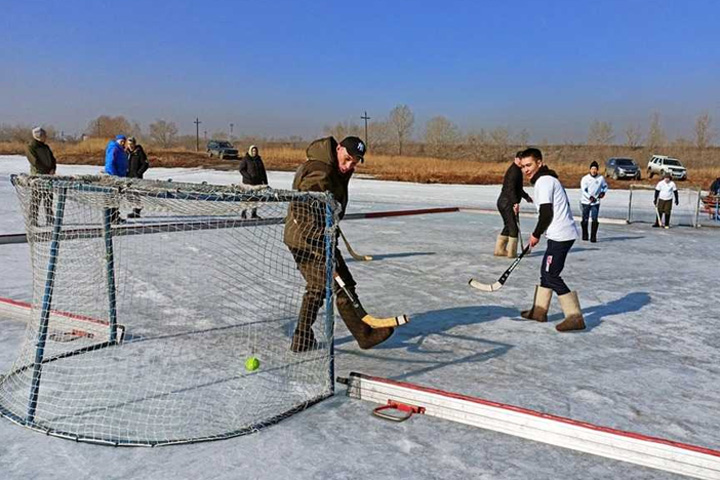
column 73, row 316
column 569, row 421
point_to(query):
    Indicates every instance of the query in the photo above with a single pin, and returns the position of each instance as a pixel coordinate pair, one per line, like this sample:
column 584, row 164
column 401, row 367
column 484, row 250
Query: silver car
column 661, row 164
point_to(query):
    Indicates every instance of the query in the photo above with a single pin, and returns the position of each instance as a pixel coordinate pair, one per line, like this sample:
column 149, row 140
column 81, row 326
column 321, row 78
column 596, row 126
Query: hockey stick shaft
column 517, row 220
column 503, row 278
column 353, row 253
column 373, row 322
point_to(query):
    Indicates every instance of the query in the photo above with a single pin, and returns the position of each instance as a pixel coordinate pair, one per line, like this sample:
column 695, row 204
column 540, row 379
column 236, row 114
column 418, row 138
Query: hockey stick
column 657, row 214
column 373, row 322
column 517, row 220
column 353, row 253
column 501, row 281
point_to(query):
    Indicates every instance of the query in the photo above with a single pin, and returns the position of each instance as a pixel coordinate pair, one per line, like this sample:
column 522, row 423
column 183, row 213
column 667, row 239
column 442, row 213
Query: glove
column 655, row 202
column 602, row 195
column 592, row 199
column 677, row 203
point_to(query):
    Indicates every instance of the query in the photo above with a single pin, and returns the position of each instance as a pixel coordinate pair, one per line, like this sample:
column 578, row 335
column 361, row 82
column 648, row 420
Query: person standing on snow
column 508, row 204
column 556, row 222
column 593, row 187
column 664, row 192
column 253, row 172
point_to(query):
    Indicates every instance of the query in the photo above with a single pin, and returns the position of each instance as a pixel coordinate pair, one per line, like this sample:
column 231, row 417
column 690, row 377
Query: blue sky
column 290, row 67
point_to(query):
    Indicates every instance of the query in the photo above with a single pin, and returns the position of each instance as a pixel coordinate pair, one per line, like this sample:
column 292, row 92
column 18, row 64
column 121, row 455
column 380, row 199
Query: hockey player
column 556, row 222
column 328, row 168
column 508, row 204
column 593, row 187
column 664, row 191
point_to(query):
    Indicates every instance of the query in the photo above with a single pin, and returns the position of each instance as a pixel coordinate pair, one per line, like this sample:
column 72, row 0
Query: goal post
column 139, row 330
column 641, row 208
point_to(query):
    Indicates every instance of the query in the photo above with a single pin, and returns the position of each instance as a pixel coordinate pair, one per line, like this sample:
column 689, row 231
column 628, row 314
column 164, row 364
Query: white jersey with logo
column 666, row 189
column 548, row 189
column 592, row 187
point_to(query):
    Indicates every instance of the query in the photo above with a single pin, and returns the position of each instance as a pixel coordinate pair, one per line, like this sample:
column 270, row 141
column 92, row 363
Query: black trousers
column 553, row 264
column 505, row 207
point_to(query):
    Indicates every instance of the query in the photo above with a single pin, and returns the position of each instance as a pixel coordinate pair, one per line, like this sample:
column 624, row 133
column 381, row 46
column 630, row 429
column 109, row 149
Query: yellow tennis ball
column 252, row 364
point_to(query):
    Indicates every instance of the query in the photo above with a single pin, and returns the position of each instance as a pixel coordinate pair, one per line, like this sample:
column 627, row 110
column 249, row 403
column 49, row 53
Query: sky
column 281, row 68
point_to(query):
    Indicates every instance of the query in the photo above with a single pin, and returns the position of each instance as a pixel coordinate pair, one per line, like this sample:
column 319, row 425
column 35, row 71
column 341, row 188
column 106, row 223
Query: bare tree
column 703, row 131
column 401, row 120
column 601, row 133
column 522, row 138
column 441, row 136
column 163, row 133
column 106, row 126
column 656, row 135
column 633, row 136
column 380, row 136
column 343, row 129
column 477, row 142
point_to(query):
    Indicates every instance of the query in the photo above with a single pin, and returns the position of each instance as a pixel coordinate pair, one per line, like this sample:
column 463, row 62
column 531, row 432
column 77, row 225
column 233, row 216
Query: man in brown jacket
column 328, row 168
column 42, row 162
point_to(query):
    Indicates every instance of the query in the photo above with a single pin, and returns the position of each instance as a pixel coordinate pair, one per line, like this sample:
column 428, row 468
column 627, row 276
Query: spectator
column 42, row 162
column 138, row 165
column 715, row 187
column 253, row 172
column 116, row 163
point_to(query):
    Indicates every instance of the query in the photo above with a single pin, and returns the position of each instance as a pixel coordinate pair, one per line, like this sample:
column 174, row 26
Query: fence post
column 629, row 214
column 697, row 209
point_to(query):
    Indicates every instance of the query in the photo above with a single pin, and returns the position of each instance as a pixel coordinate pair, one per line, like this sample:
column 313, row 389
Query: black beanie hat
column 594, row 164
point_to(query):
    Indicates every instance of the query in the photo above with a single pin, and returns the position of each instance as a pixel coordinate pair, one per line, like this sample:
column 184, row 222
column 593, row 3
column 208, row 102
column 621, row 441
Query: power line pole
column 366, row 118
column 231, row 131
column 197, row 123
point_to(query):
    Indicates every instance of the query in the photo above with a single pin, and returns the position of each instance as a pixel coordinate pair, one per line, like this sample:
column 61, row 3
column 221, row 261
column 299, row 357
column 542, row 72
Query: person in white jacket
column 593, row 187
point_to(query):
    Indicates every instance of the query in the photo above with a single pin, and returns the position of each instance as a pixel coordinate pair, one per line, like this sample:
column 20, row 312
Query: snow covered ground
column 647, row 363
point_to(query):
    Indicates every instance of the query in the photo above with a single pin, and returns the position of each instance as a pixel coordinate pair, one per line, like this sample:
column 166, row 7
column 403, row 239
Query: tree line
column 394, row 135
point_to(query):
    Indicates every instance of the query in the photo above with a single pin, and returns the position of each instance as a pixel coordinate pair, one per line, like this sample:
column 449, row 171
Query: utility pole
column 206, row 135
column 197, row 123
column 366, row 118
column 231, row 131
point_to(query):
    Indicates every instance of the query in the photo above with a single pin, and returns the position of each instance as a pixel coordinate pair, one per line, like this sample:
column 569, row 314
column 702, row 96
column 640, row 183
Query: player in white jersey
column 556, row 222
column 593, row 187
column 664, row 192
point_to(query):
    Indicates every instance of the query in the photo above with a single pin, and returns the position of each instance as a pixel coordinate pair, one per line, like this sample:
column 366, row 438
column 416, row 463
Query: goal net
column 140, row 330
column 642, row 209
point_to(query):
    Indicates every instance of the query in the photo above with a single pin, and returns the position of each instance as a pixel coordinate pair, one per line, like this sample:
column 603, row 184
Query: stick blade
column 485, row 287
column 375, row 322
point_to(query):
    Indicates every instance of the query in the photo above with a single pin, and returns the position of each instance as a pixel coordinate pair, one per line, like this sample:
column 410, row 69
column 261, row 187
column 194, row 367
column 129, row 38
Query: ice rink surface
column 647, row 363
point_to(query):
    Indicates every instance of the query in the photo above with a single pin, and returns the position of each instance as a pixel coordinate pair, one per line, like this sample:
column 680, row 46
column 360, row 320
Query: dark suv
column 221, row 149
column 622, row 168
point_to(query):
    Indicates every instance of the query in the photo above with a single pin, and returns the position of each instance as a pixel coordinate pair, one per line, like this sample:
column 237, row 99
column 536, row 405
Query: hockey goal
column 686, row 213
column 139, row 330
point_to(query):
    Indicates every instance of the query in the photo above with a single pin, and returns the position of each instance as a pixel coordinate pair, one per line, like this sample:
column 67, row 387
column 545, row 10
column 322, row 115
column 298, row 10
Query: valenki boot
column 573, row 315
column 366, row 336
column 541, row 305
column 512, row 247
column 501, row 245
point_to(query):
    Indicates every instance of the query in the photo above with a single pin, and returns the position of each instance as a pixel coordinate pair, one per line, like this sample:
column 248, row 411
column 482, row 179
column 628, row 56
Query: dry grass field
column 570, row 161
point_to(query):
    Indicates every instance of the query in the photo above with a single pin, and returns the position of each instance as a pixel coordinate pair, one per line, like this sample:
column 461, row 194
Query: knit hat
column 667, row 174
column 594, row 164
column 37, row 132
column 120, row 137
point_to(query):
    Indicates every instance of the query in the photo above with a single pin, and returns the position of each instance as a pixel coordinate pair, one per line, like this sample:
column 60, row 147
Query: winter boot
column 593, row 232
column 573, row 315
column 304, row 339
column 584, row 225
column 501, row 245
column 365, row 336
column 135, row 213
column 512, row 247
column 541, row 305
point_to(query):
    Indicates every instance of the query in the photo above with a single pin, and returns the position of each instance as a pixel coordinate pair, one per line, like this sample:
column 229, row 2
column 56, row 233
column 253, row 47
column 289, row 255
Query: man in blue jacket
column 116, row 163
column 116, row 160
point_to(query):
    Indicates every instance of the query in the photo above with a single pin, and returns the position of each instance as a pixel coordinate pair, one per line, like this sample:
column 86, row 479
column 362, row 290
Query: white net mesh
column 140, row 329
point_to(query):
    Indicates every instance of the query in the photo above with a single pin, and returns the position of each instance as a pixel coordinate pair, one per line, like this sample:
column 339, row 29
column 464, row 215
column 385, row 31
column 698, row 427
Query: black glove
column 602, row 195
column 677, row 203
column 655, row 202
column 592, row 199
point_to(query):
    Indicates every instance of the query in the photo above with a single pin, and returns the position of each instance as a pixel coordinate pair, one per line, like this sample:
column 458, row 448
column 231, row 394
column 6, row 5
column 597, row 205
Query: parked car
column 660, row 164
column 622, row 168
column 221, row 149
